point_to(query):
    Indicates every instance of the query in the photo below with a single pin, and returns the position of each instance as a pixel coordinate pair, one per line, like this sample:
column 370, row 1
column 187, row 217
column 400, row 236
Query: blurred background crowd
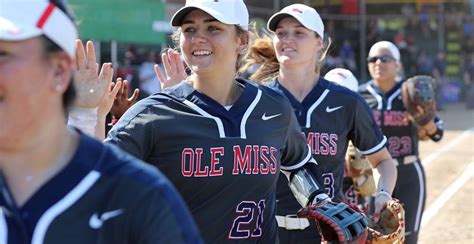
column 435, row 37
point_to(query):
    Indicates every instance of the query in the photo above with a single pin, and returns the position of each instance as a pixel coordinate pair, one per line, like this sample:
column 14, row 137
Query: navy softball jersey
column 330, row 115
column 225, row 163
column 103, row 195
column 390, row 114
column 402, row 144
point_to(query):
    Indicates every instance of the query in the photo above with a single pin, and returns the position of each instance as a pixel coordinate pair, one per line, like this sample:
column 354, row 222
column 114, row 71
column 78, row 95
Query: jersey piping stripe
column 377, row 96
column 420, row 196
column 376, row 148
column 314, row 106
column 3, row 227
column 243, row 133
column 391, row 98
column 220, row 125
column 300, row 164
column 74, row 195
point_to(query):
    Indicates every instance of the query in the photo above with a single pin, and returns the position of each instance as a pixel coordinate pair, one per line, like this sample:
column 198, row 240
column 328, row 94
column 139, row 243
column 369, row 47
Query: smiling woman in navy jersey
column 383, row 95
column 221, row 140
column 59, row 185
column 329, row 115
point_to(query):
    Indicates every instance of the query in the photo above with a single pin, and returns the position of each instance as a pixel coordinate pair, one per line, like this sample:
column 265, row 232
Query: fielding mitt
column 360, row 171
column 391, row 226
column 419, row 91
column 337, row 222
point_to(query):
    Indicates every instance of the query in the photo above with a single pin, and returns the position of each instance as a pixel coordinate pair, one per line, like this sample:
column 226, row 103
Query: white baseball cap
column 386, row 45
column 25, row 19
column 231, row 12
column 343, row 77
column 307, row 16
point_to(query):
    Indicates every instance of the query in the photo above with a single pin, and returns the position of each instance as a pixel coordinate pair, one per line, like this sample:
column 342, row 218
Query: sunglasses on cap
column 383, row 58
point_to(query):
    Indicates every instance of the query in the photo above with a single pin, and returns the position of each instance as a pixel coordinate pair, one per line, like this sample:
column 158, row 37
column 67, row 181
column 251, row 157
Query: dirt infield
column 449, row 165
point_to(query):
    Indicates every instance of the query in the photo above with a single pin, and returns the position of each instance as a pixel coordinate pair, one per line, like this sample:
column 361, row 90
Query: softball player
column 329, row 115
column 221, row 140
column 58, row 185
column 383, row 95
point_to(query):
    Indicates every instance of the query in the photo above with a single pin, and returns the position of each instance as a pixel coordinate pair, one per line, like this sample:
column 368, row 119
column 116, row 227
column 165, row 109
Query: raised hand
column 174, row 69
column 90, row 85
column 122, row 102
column 108, row 99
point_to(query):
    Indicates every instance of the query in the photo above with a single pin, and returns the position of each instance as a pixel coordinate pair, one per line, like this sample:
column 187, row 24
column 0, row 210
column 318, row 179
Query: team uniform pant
column 310, row 235
column 411, row 191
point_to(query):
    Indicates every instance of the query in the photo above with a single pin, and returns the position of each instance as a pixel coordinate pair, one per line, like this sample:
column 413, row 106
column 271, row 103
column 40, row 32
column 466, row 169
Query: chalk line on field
column 426, row 161
column 447, row 194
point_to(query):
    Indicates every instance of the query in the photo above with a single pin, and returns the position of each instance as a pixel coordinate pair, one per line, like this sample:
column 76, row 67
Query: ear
column 244, row 43
column 62, row 68
column 319, row 43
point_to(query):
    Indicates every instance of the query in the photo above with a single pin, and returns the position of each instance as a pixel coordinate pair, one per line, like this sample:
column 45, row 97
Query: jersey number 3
column 242, row 227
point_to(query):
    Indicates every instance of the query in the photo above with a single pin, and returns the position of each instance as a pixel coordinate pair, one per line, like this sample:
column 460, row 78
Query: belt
column 407, row 160
column 291, row 222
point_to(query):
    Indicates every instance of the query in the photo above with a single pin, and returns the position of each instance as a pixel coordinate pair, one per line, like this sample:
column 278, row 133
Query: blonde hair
column 262, row 53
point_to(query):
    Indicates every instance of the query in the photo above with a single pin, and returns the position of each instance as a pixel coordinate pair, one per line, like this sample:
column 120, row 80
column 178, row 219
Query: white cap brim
column 21, row 20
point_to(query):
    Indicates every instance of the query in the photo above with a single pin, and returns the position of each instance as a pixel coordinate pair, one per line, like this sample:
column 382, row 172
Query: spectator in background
column 439, row 73
column 148, row 81
column 124, row 70
column 468, row 27
column 424, row 63
column 469, row 82
column 346, row 52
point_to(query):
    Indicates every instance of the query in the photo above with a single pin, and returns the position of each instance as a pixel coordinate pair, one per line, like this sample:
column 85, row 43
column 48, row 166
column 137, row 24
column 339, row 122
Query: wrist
column 384, row 193
column 320, row 198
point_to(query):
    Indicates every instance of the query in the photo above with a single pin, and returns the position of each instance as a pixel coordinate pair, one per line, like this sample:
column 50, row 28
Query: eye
column 187, row 29
column 280, row 33
column 213, row 28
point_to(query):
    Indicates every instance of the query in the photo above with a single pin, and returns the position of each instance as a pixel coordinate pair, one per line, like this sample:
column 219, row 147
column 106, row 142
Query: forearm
column 84, row 119
column 387, row 171
column 306, row 184
column 100, row 129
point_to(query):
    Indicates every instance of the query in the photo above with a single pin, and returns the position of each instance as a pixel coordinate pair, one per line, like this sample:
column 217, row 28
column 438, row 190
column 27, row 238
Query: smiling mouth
column 201, row 53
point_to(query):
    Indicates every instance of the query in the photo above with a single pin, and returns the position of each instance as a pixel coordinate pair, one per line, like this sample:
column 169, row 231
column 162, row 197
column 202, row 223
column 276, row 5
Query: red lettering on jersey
column 187, row 162
column 215, row 161
column 332, row 140
column 324, row 144
column 199, row 172
column 395, row 118
column 265, row 167
column 274, row 161
column 377, row 115
column 256, row 159
column 242, row 163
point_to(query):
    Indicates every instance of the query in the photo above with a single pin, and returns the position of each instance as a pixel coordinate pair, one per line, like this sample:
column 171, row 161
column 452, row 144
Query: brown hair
column 262, row 53
column 175, row 37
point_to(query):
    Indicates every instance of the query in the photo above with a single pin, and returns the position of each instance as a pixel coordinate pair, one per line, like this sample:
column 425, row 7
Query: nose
column 198, row 38
column 288, row 38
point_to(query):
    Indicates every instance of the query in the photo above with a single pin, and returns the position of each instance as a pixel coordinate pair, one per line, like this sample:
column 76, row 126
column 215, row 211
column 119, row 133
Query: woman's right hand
column 89, row 83
column 174, row 69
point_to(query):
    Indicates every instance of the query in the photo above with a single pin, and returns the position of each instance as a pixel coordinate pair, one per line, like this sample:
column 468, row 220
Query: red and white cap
column 231, row 12
column 25, row 19
column 343, row 77
column 307, row 16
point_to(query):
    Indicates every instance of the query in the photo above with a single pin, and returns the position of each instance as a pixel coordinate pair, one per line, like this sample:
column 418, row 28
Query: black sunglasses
column 383, row 58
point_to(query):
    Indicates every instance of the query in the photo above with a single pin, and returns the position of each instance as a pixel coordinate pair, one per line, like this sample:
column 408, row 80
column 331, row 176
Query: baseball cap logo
column 341, row 74
column 297, row 10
